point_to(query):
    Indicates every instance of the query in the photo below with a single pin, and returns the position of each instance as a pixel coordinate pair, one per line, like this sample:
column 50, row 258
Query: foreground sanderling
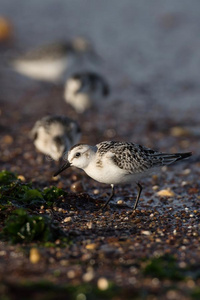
column 50, row 62
column 118, row 162
column 83, row 89
column 54, row 135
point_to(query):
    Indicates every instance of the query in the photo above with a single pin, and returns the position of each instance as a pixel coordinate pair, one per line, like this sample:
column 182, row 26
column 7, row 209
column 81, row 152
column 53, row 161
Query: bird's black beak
column 65, row 166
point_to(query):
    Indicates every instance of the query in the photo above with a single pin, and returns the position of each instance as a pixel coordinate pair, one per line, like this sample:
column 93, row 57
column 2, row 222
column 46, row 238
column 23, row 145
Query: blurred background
column 149, row 55
column 150, row 49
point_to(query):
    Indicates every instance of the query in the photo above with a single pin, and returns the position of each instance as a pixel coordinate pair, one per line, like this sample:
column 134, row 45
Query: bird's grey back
column 51, row 51
column 92, row 80
column 136, row 158
column 69, row 126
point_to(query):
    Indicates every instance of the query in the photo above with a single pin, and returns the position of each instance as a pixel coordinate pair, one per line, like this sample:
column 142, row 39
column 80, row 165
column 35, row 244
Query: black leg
column 139, row 188
column 110, row 197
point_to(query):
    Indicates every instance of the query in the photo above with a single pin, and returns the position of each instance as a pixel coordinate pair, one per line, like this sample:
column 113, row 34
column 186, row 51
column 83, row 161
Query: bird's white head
column 79, row 156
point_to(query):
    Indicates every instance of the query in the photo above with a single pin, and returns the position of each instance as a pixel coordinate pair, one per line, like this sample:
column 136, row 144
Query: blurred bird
column 54, row 135
column 51, row 62
column 83, row 89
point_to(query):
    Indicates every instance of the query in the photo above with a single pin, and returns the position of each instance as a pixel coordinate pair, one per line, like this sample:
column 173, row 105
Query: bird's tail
column 180, row 156
column 167, row 158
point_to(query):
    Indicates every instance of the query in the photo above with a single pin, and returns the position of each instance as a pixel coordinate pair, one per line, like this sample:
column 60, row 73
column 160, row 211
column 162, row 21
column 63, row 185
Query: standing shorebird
column 50, row 62
column 54, row 135
column 118, row 163
column 84, row 89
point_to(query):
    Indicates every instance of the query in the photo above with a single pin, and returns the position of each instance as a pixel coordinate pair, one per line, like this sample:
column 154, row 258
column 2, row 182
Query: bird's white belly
column 111, row 174
column 50, row 70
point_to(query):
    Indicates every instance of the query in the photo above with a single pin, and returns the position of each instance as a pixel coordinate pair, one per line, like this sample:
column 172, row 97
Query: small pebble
column 88, row 276
column 120, row 202
column 157, row 240
column 164, row 169
column 21, row 177
column 67, row 219
column 102, row 283
column 186, row 172
column 91, row 246
column 155, row 187
column 182, row 264
column 71, row 274
column 89, row 225
column 146, row 232
column 8, row 139
column 96, row 191
column 75, row 177
column 172, row 295
column 77, row 187
column 190, row 283
column 34, row 256
column 179, row 131
column 184, row 183
column 81, row 296
column 166, row 193
column 155, row 177
column 155, row 281
column 60, row 185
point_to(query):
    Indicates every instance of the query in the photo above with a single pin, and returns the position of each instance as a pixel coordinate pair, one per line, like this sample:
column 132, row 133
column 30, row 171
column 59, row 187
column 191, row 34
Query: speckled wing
column 135, row 158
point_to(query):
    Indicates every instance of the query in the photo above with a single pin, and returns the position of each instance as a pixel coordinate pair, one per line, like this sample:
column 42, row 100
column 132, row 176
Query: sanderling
column 55, row 135
column 51, row 62
column 83, row 89
column 118, row 162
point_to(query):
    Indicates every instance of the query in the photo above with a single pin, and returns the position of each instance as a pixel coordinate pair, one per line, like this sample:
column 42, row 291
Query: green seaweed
column 196, row 293
column 164, row 267
column 19, row 226
column 13, row 190
column 33, row 196
column 52, row 195
column 49, row 290
column 7, row 177
column 22, row 227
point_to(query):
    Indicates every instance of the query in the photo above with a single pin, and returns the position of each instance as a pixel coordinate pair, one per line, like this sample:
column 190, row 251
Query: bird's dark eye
column 77, row 154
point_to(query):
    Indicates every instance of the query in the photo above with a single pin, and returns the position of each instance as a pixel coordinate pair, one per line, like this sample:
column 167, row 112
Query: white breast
column 49, row 70
column 108, row 172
